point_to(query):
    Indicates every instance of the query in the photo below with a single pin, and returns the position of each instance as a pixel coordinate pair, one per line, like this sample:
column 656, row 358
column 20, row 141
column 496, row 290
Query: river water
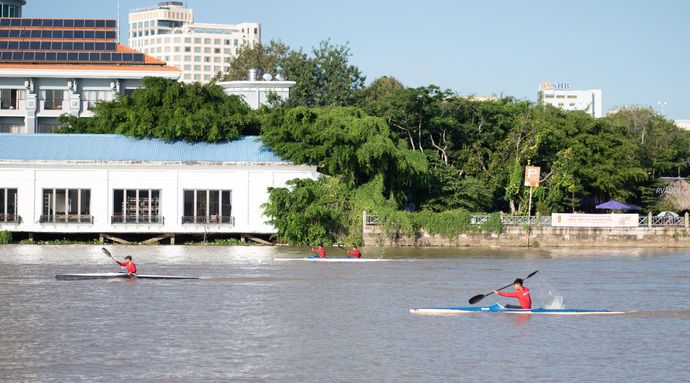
column 253, row 319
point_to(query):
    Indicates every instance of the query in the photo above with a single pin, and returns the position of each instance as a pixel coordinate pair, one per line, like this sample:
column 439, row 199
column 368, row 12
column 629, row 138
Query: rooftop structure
column 168, row 32
column 50, row 67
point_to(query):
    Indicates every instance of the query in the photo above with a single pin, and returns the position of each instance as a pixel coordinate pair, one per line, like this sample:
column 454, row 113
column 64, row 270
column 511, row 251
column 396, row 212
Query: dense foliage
column 418, row 158
column 171, row 111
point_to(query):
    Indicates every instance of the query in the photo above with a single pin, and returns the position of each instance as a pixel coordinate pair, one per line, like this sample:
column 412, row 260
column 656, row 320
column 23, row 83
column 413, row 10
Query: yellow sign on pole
column 532, row 176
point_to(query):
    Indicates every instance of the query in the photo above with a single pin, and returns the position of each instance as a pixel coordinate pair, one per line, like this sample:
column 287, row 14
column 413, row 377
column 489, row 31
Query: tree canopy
column 417, row 157
column 171, row 111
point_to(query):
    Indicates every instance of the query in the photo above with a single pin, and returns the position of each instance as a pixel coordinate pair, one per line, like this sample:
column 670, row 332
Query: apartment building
column 167, row 31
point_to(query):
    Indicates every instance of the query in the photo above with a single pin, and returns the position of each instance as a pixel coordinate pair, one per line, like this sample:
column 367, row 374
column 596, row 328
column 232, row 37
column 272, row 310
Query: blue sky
column 636, row 51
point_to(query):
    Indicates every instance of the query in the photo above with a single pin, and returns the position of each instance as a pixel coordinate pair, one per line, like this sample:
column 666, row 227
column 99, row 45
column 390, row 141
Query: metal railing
column 661, row 221
column 66, row 218
column 208, row 220
column 137, row 220
column 545, row 220
column 9, row 218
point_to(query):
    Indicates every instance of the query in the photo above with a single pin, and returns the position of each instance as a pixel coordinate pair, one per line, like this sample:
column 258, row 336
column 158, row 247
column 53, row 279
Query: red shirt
column 320, row 251
column 355, row 252
column 522, row 296
column 131, row 268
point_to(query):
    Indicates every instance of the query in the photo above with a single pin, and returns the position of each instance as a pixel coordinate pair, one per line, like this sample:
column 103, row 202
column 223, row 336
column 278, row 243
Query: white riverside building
column 118, row 187
column 560, row 96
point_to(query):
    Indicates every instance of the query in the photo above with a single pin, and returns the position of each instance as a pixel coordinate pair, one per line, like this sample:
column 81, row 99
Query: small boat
column 320, row 259
column 497, row 308
column 116, row 276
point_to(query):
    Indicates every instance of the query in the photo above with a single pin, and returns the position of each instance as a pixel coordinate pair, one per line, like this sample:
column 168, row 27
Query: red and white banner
column 595, row 220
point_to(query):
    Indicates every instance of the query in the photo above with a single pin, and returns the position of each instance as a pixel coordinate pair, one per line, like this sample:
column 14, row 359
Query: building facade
column 50, row 67
column 116, row 186
column 167, row 31
column 561, row 96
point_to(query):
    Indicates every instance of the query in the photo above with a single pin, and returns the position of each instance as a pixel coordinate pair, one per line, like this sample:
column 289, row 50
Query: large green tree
column 345, row 143
column 264, row 58
column 171, row 111
column 326, row 79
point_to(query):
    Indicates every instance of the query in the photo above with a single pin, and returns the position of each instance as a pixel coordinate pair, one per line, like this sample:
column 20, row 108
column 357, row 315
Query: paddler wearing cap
column 131, row 268
column 355, row 252
column 521, row 293
column 320, row 251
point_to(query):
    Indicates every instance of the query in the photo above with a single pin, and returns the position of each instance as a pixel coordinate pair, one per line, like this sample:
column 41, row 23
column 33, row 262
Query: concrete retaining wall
column 545, row 236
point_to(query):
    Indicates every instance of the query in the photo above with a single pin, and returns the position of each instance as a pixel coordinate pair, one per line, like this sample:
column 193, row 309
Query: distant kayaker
column 131, row 268
column 355, row 252
column 521, row 293
column 320, row 251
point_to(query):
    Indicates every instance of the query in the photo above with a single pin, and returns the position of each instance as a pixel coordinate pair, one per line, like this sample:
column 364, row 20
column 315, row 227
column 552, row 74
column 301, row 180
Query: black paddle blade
column 476, row 298
column 107, row 252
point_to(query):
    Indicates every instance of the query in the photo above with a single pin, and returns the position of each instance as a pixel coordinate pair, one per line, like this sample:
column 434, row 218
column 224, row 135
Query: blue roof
column 113, row 147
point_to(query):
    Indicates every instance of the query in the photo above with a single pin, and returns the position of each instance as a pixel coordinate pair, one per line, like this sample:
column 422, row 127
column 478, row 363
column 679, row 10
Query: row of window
column 53, row 98
column 10, row 11
column 206, row 59
column 188, row 40
column 20, row 128
column 136, row 206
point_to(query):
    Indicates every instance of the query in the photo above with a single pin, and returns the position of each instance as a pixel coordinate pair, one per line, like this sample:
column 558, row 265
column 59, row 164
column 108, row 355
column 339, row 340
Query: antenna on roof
column 117, row 39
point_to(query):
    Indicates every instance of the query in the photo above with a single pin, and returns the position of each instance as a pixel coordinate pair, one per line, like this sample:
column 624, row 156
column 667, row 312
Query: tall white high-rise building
column 167, row 32
column 559, row 95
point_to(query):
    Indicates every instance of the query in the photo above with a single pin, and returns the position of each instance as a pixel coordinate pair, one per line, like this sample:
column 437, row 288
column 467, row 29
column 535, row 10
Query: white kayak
column 116, row 276
column 320, row 259
column 497, row 308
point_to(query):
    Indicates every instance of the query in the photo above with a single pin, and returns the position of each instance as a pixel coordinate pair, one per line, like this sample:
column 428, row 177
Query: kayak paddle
column 108, row 253
column 479, row 297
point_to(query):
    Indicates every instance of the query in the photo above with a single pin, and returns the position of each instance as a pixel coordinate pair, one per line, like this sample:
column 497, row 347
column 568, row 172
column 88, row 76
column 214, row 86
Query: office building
column 167, row 31
column 561, row 96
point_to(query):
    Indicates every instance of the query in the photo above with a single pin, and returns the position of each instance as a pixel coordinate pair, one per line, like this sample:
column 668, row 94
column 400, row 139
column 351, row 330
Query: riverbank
column 544, row 236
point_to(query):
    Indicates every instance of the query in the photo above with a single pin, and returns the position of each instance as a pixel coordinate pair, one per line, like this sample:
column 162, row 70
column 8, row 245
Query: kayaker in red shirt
column 355, row 252
column 320, row 251
column 131, row 268
column 521, row 293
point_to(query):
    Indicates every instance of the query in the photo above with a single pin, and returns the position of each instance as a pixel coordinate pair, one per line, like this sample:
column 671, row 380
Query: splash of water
column 553, row 299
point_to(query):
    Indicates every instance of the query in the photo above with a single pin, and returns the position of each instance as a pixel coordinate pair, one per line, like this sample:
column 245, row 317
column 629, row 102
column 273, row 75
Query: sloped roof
column 678, row 193
column 113, row 147
column 70, row 45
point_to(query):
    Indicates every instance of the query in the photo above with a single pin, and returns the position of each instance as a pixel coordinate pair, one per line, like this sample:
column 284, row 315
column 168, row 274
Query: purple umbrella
column 614, row 205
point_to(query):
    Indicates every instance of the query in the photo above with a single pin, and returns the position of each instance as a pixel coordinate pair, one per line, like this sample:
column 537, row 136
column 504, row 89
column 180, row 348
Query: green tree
column 663, row 146
column 327, row 79
column 307, row 212
column 344, row 143
column 171, row 111
column 264, row 58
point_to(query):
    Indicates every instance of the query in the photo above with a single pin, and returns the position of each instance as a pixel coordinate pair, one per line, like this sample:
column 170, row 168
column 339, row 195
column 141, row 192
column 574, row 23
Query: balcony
column 209, row 220
column 66, row 218
column 136, row 220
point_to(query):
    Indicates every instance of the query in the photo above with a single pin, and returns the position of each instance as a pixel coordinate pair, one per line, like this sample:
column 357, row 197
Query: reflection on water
column 251, row 318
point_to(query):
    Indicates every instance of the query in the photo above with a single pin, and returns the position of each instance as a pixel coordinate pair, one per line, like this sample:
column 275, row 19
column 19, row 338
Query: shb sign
column 532, row 175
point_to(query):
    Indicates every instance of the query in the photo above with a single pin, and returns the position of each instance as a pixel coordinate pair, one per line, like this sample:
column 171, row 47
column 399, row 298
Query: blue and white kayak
column 320, row 259
column 497, row 308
